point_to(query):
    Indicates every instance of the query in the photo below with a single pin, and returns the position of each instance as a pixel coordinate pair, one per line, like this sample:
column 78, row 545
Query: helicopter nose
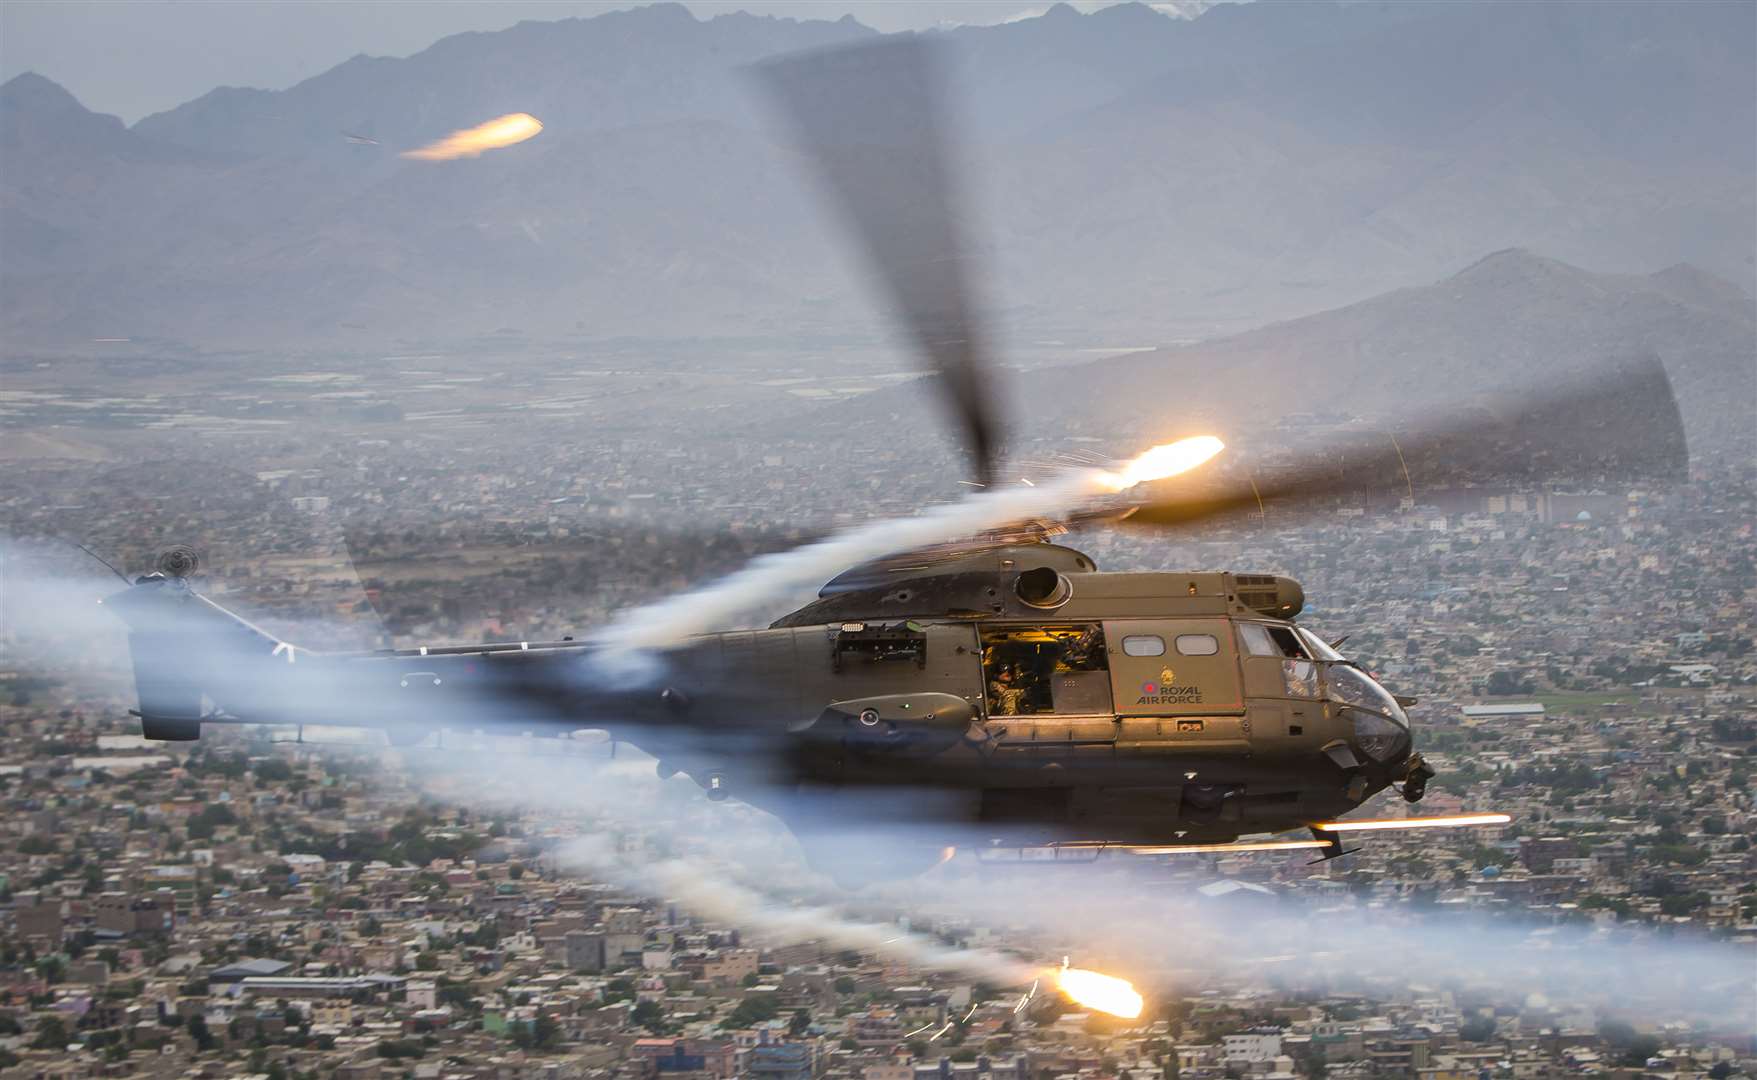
column 1380, row 738
column 1381, row 727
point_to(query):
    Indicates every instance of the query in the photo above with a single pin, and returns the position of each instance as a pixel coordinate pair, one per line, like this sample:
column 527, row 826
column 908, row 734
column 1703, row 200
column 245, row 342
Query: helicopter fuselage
column 1017, row 694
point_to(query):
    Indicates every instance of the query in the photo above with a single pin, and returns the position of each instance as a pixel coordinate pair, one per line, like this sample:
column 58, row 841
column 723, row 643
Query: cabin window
column 1197, row 644
column 1144, row 645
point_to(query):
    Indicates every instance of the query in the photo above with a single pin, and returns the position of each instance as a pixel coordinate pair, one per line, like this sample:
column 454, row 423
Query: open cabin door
column 1058, row 669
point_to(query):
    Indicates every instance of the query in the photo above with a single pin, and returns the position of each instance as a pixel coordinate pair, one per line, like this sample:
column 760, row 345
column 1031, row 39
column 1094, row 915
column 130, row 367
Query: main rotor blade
column 871, row 118
column 1618, row 426
column 582, row 568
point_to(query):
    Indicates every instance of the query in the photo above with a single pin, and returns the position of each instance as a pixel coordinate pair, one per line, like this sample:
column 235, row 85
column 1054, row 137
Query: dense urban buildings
column 255, row 905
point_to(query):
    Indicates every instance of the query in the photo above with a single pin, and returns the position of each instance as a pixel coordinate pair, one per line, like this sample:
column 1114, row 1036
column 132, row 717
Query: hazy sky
column 135, row 57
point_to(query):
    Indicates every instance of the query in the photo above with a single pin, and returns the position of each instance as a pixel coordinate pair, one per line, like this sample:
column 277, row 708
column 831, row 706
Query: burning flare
column 1445, row 821
column 471, row 142
column 1106, row 993
column 1164, row 461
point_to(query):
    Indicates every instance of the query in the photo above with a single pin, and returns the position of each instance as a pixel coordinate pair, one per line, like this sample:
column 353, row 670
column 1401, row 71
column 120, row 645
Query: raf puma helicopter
column 997, row 690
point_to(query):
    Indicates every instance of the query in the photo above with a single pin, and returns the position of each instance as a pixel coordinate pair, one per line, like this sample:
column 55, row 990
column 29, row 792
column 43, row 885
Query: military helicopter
column 997, row 689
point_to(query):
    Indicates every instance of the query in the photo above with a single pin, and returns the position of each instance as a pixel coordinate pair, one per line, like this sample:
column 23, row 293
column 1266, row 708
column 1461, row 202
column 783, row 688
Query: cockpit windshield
column 1381, row 728
column 1356, row 689
column 1317, row 646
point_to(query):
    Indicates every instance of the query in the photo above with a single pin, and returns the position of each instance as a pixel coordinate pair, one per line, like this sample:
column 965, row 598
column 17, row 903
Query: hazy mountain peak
column 38, row 93
column 751, row 17
column 1131, row 13
column 1511, row 317
column 616, row 70
column 34, row 108
column 1183, row 9
column 1137, row 178
column 1515, row 266
column 1690, row 284
column 673, row 12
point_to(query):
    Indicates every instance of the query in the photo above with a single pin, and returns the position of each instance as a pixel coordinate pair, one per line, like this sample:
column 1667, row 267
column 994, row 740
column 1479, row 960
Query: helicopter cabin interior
column 1116, row 667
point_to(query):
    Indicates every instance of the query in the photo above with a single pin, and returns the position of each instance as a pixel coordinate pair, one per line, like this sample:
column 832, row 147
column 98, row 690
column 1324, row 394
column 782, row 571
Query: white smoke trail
column 50, row 593
column 1287, row 938
column 671, row 621
column 52, row 622
column 734, row 868
column 734, row 865
column 706, row 892
column 53, row 616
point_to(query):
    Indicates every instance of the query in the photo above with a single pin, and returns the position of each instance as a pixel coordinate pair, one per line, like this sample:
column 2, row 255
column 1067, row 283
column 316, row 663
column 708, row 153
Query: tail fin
column 187, row 648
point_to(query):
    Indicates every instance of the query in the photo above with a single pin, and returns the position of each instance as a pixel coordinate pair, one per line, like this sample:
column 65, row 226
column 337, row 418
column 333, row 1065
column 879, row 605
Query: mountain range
column 1129, row 176
column 1514, row 322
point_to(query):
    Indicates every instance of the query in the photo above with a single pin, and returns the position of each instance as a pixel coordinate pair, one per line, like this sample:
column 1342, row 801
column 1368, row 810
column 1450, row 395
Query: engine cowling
column 1272, row 595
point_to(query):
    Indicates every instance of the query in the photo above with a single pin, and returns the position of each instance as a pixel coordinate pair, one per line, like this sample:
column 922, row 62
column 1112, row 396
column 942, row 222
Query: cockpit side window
column 1256, row 640
column 1288, row 642
column 1299, row 675
column 1263, row 640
